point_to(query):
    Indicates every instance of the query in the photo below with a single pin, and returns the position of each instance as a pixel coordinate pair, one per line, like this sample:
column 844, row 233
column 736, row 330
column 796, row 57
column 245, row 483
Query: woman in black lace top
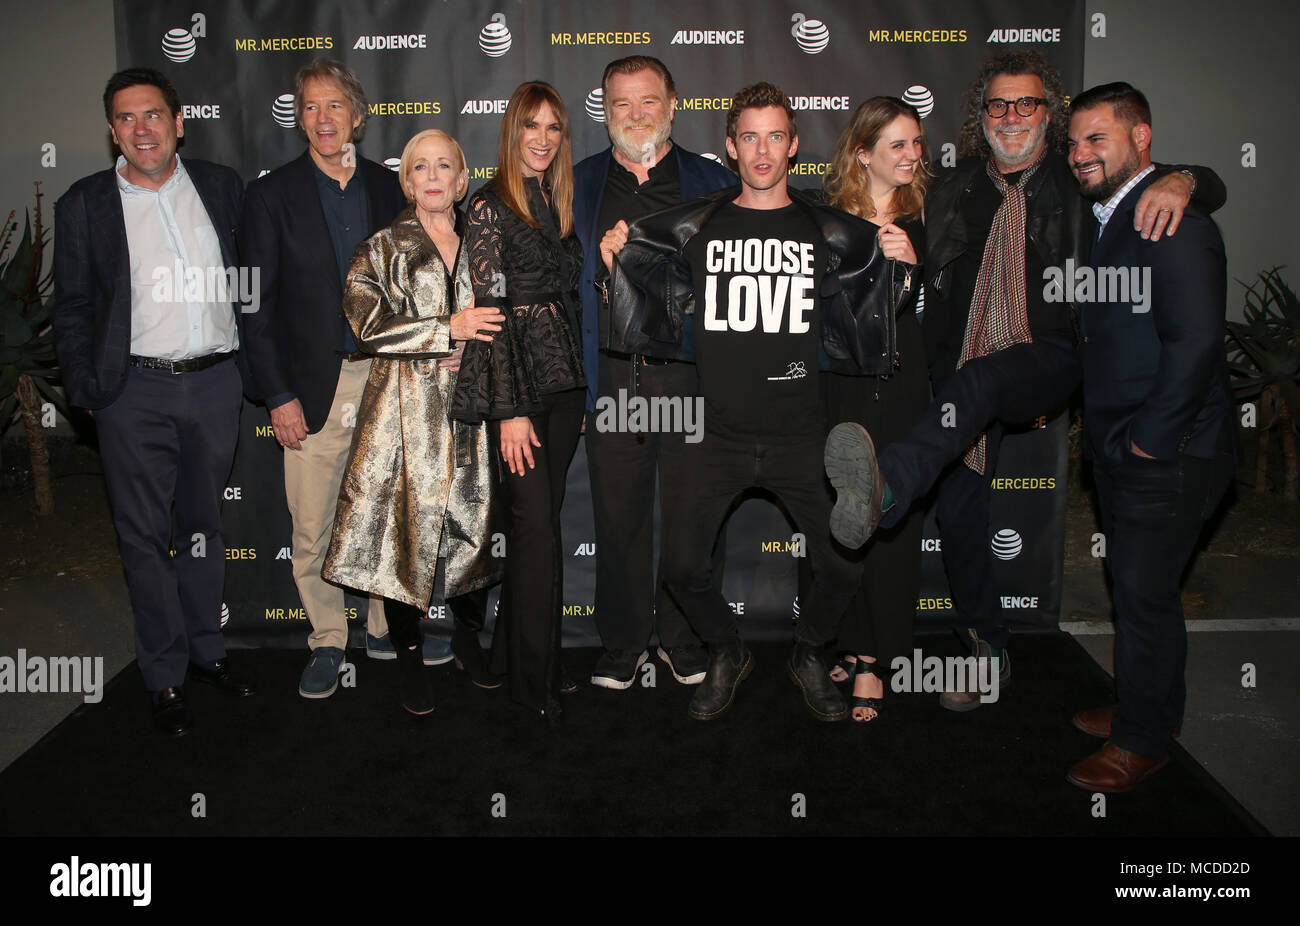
column 528, row 381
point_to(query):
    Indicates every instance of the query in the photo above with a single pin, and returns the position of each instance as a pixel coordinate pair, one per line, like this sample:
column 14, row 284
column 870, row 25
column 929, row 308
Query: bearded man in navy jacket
column 644, row 171
column 1158, row 422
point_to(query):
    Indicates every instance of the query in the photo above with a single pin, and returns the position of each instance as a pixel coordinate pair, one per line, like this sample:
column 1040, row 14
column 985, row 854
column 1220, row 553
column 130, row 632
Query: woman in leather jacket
column 879, row 173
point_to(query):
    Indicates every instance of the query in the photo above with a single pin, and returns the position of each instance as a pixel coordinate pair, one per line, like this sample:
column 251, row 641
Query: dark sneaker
column 850, row 460
column 616, row 669
column 380, row 647
column 689, row 664
column 321, row 676
column 437, row 650
column 963, row 701
column 729, row 665
column 820, row 694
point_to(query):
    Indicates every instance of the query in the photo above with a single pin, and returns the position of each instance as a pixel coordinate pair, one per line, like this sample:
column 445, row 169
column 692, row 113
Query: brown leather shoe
column 1113, row 770
column 1096, row 722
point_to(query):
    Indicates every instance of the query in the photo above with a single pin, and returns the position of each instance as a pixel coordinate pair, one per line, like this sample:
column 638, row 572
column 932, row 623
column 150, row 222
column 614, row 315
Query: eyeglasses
column 1025, row 106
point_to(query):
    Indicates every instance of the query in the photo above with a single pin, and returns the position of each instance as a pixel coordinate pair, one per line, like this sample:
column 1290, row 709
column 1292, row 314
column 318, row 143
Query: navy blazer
column 698, row 177
column 294, row 340
column 1154, row 362
column 91, row 313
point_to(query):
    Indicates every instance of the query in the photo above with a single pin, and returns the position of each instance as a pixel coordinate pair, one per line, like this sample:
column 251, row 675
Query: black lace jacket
column 531, row 274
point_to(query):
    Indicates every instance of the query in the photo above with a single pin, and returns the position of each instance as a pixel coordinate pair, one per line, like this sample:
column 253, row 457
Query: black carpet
column 628, row 762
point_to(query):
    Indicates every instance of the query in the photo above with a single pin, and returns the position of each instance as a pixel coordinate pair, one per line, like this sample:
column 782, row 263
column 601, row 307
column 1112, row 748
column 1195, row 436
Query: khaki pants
column 312, row 477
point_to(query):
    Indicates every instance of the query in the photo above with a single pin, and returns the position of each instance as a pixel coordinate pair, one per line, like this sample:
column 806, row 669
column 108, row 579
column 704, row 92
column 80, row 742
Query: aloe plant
column 28, row 366
column 1264, row 359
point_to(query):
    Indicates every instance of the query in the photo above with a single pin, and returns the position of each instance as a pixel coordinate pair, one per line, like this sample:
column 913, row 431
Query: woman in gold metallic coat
column 418, row 486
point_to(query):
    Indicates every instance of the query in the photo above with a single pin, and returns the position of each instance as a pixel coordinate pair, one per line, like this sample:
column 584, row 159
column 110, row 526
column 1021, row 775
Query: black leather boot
column 729, row 665
column 412, row 682
column 820, row 694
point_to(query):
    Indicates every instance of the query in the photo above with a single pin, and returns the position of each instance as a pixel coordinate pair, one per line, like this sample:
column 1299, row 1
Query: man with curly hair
column 1001, row 352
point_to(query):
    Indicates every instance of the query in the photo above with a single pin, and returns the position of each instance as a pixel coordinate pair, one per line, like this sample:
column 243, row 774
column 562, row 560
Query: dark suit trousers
column 169, row 439
column 1151, row 514
column 1008, row 387
column 526, row 641
column 712, row 474
column 624, row 468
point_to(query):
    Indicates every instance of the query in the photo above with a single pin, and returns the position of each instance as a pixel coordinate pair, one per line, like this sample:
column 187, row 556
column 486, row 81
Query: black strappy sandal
column 847, row 666
column 857, row 701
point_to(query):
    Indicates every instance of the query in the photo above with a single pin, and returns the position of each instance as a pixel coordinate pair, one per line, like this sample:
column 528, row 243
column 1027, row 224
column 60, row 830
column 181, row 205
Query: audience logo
column 811, row 35
column 1007, row 544
column 921, row 98
column 179, row 45
column 494, row 38
column 596, row 105
column 283, row 111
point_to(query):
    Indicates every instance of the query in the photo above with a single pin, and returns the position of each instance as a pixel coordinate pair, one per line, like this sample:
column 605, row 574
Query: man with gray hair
column 301, row 224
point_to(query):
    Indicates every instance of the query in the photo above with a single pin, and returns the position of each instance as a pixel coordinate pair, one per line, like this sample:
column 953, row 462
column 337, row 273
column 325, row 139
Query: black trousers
column 709, row 475
column 469, row 610
column 1152, row 513
column 167, row 445
column 526, row 642
column 1011, row 386
column 631, row 601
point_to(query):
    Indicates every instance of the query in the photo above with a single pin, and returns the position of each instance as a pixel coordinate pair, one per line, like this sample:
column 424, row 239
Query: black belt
column 641, row 359
column 192, row 365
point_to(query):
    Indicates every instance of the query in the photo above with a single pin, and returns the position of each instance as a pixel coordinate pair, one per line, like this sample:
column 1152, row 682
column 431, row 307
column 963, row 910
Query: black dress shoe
column 221, row 678
column 171, row 715
column 729, row 665
column 820, row 694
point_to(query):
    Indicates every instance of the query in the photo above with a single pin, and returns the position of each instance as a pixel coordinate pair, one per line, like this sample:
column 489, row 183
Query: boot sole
column 744, row 674
column 850, row 464
column 828, row 718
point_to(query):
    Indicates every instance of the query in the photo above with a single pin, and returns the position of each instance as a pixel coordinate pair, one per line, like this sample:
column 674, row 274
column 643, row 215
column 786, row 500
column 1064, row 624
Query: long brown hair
column 524, row 104
column 846, row 181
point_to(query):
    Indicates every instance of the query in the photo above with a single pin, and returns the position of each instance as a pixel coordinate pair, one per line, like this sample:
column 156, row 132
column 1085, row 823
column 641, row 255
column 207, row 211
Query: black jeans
column 631, row 601
column 1011, row 386
column 709, row 475
column 404, row 620
column 526, row 642
column 1151, row 515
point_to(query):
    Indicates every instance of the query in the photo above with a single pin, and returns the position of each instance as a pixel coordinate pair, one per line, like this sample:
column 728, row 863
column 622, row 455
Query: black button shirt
column 347, row 216
column 629, row 200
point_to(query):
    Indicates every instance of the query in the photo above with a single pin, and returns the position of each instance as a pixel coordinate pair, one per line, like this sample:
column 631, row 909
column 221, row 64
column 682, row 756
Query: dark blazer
column 697, row 175
column 294, row 341
column 1155, row 368
column 91, row 313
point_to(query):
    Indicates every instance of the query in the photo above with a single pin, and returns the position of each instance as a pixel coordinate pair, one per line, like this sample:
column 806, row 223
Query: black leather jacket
column 652, row 294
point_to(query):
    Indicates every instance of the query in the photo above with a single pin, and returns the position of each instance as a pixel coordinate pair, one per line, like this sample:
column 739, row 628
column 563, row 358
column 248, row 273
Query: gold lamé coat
column 417, row 485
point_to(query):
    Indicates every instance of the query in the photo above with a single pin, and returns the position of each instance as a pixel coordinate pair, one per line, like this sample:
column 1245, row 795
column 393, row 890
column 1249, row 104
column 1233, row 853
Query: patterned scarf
column 999, row 309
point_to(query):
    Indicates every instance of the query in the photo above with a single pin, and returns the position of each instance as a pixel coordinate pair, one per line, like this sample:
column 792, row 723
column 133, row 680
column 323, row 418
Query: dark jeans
column 1151, row 514
column 711, row 474
column 526, row 642
column 169, row 440
column 624, row 469
column 1009, row 387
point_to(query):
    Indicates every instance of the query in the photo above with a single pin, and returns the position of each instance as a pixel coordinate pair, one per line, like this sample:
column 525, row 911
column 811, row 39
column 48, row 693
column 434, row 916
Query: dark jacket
column 91, row 314
column 1154, row 368
column 1059, row 225
column 697, row 176
column 653, row 296
column 294, row 340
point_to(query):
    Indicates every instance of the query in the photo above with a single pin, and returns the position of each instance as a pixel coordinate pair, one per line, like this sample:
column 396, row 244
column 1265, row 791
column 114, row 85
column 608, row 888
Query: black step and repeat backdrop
column 453, row 64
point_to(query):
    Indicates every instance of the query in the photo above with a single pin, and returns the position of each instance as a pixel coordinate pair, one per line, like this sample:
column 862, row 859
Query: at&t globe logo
column 494, row 38
column 225, row 614
column 1007, row 544
column 283, row 111
column 921, row 98
column 179, row 45
column 596, row 105
column 811, row 35
column 393, row 164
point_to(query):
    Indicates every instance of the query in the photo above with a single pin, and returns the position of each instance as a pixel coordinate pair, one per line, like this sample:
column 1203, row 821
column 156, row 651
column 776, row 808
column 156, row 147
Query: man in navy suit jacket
column 642, row 172
column 301, row 224
column 1158, row 421
column 146, row 329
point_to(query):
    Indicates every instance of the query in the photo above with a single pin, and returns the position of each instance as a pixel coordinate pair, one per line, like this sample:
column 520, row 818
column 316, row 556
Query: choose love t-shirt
column 757, row 322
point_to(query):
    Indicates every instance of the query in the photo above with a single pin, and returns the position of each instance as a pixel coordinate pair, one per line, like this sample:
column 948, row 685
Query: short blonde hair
column 408, row 154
